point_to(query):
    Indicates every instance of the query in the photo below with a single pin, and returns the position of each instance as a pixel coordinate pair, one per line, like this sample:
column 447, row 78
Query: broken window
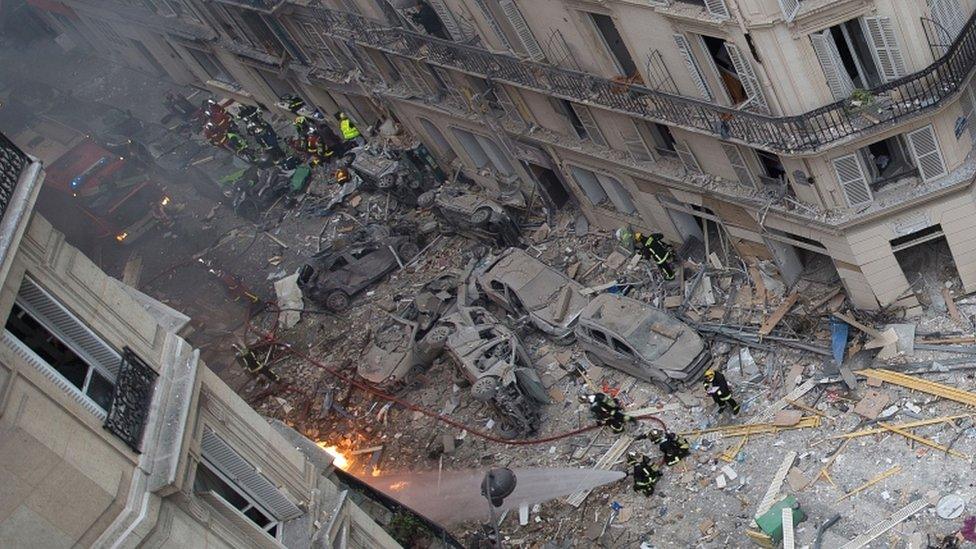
column 441, row 144
column 472, row 148
column 860, row 53
column 621, row 347
column 772, row 166
column 615, row 44
column 735, row 72
column 581, row 120
column 213, row 68
column 663, row 139
column 600, row 188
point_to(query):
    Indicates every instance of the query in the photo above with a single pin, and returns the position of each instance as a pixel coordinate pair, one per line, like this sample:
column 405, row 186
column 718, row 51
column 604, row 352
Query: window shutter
column 522, row 29
column 748, row 77
column 446, row 17
column 790, row 8
column 838, row 80
column 226, row 460
column 687, row 157
column 717, row 8
column 696, row 74
column 591, row 186
column 592, row 129
column 493, row 23
column 850, row 174
column 882, row 36
column 618, row 194
column 635, row 143
column 928, row 157
column 949, row 15
column 60, row 321
column 739, row 164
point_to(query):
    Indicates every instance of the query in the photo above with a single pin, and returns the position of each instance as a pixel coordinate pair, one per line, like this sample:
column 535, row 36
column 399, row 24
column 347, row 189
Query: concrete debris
column 290, row 301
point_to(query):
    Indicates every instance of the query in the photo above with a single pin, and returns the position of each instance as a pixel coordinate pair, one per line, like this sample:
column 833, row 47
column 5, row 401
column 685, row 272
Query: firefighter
column 294, row 102
column 646, row 473
column 673, row 447
column 652, row 247
column 607, row 411
column 215, row 135
column 302, row 125
column 718, row 388
column 236, row 143
column 250, row 362
column 349, row 131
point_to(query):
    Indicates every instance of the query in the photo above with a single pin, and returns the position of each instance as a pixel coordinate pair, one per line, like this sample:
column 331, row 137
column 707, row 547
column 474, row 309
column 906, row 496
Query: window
column 484, row 152
column 735, row 72
column 860, row 53
column 615, row 44
column 213, row 68
column 599, row 336
column 599, row 188
column 437, row 138
column 581, row 119
column 621, row 347
column 663, row 139
column 208, row 480
column 278, row 86
column 472, row 148
column 70, row 353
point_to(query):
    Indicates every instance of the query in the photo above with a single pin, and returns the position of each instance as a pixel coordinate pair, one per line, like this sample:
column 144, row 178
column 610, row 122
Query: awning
column 54, row 6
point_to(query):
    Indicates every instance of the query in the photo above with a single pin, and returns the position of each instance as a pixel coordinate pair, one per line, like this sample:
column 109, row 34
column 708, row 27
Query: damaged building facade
column 113, row 432
column 821, row 135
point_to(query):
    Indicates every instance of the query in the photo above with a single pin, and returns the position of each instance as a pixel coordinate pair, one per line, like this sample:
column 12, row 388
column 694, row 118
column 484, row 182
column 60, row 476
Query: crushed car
column 643, row 341
column 471, row 214
column 403, row 173
column 406, row 344
column 527, row 287
column 491, row 358
column 334, row 275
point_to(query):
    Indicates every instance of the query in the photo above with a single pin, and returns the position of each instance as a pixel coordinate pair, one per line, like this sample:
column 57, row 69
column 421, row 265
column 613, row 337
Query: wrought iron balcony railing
column 131, row 400
column 12, row 163
column 811, row 131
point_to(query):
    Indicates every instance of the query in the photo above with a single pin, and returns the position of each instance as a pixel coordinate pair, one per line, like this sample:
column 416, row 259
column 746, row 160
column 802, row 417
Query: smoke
column 448, row 497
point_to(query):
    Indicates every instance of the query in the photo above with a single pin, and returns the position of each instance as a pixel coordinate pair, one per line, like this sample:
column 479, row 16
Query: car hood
column 390, row 349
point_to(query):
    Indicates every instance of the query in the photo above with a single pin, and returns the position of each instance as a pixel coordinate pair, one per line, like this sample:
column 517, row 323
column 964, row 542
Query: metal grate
column 12, row 163
column 131, row 400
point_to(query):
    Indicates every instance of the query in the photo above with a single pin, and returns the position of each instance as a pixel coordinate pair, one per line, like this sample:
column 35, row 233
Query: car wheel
column 337, row 301
column 481, row 217
column 426, row 199
column 386, row 182
column 407, row 251
column 484, row 388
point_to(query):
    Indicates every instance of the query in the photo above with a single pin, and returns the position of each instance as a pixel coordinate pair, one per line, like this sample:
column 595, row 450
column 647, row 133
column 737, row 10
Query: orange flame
column 338, row 459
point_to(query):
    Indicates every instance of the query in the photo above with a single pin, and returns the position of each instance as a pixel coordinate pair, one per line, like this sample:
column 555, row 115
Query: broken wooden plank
column 767, row 415
column 786, row 517
column 877, row 478
column 814, row 305
column 923, row 440
column 766, row 503
column 922, row 385
column 759, row 287
column 604, row 463
column 909, row 425
column 749, row 429
column 866, row 329
column 599, row 288
column 880, row 528
column 778, row 314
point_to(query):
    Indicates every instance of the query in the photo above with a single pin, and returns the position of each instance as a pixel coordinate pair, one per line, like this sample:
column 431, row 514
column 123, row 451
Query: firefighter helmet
column 709, row 374
column 342, row 175
column 633, row 458
column 656, row 435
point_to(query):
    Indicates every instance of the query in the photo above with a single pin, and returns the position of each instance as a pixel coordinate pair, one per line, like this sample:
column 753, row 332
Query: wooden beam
column 923, row 440
column 866, row 329
column 909, row 425
column 922, row 385
column 877, row 478
column 951, row 305
column 750, row 429
column 778, row 314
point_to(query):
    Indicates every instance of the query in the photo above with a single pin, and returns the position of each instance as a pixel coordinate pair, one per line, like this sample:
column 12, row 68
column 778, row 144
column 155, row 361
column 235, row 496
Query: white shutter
column 852, row 180
column 928, row 157
column 446, row 17
column 495, row 27
column 790, row 8
column 881, row 33
column 693, row 68
column 738, row 163
column 522, row 29
column 838, row 80
column 245, row 476
column 620, row 197
column 591, row 186
column 66, row 327
column 592, row 129
column 635, row 143
column 687, row 157
column 717, row 8
column 748, row 77
column 949, row 15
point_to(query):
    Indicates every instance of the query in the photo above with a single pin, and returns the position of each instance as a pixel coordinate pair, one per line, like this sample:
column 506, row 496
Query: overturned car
column 490, row 358
column 407, row 343
column 643, row 341
column 471, row 214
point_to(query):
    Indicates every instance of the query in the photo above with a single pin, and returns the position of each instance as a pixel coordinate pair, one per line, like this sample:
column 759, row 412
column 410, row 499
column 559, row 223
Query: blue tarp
column 838, row 339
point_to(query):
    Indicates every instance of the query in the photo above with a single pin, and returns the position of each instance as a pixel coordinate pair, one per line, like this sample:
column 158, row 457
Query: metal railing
column 13, row 162
column 131, row 400
column 894, row 101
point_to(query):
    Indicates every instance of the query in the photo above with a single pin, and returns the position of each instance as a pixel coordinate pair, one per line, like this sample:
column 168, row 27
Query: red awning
column 54, row 6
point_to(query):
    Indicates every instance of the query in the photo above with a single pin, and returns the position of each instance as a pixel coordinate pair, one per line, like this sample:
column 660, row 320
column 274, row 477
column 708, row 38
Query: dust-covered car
column 473, row 214
column 407, row 342
column 643, row 341
column 333, row 276
column 492, row 359
column 525, row 286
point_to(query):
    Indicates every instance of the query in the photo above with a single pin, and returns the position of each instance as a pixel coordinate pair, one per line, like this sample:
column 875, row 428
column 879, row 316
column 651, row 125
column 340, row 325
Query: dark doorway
column 615, row 43
column 551, row 185
column 926, row 260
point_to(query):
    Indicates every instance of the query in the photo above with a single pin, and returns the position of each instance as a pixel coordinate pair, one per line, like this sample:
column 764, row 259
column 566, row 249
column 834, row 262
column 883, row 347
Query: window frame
column 273, row 522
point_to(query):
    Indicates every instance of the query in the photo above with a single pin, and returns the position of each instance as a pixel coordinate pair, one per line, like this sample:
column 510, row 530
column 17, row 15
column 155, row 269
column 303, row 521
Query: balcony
column 263, row 6
column 131, row 399
column 12, row 164
column 827, row 126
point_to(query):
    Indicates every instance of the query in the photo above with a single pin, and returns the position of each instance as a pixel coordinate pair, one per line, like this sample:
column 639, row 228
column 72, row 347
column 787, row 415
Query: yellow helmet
column 709, row 374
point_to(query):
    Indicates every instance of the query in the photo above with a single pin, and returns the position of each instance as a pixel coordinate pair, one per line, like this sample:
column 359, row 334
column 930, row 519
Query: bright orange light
column 397, row 486
column 376, row 471
column 338, row 459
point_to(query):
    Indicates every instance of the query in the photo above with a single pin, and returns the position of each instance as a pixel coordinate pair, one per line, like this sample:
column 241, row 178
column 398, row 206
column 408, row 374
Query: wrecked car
column 469, row 213
column 643, row 341
column 395, row 172
column 408, row 342
column 333, row 276
column 527, row 287
column 490, row 358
